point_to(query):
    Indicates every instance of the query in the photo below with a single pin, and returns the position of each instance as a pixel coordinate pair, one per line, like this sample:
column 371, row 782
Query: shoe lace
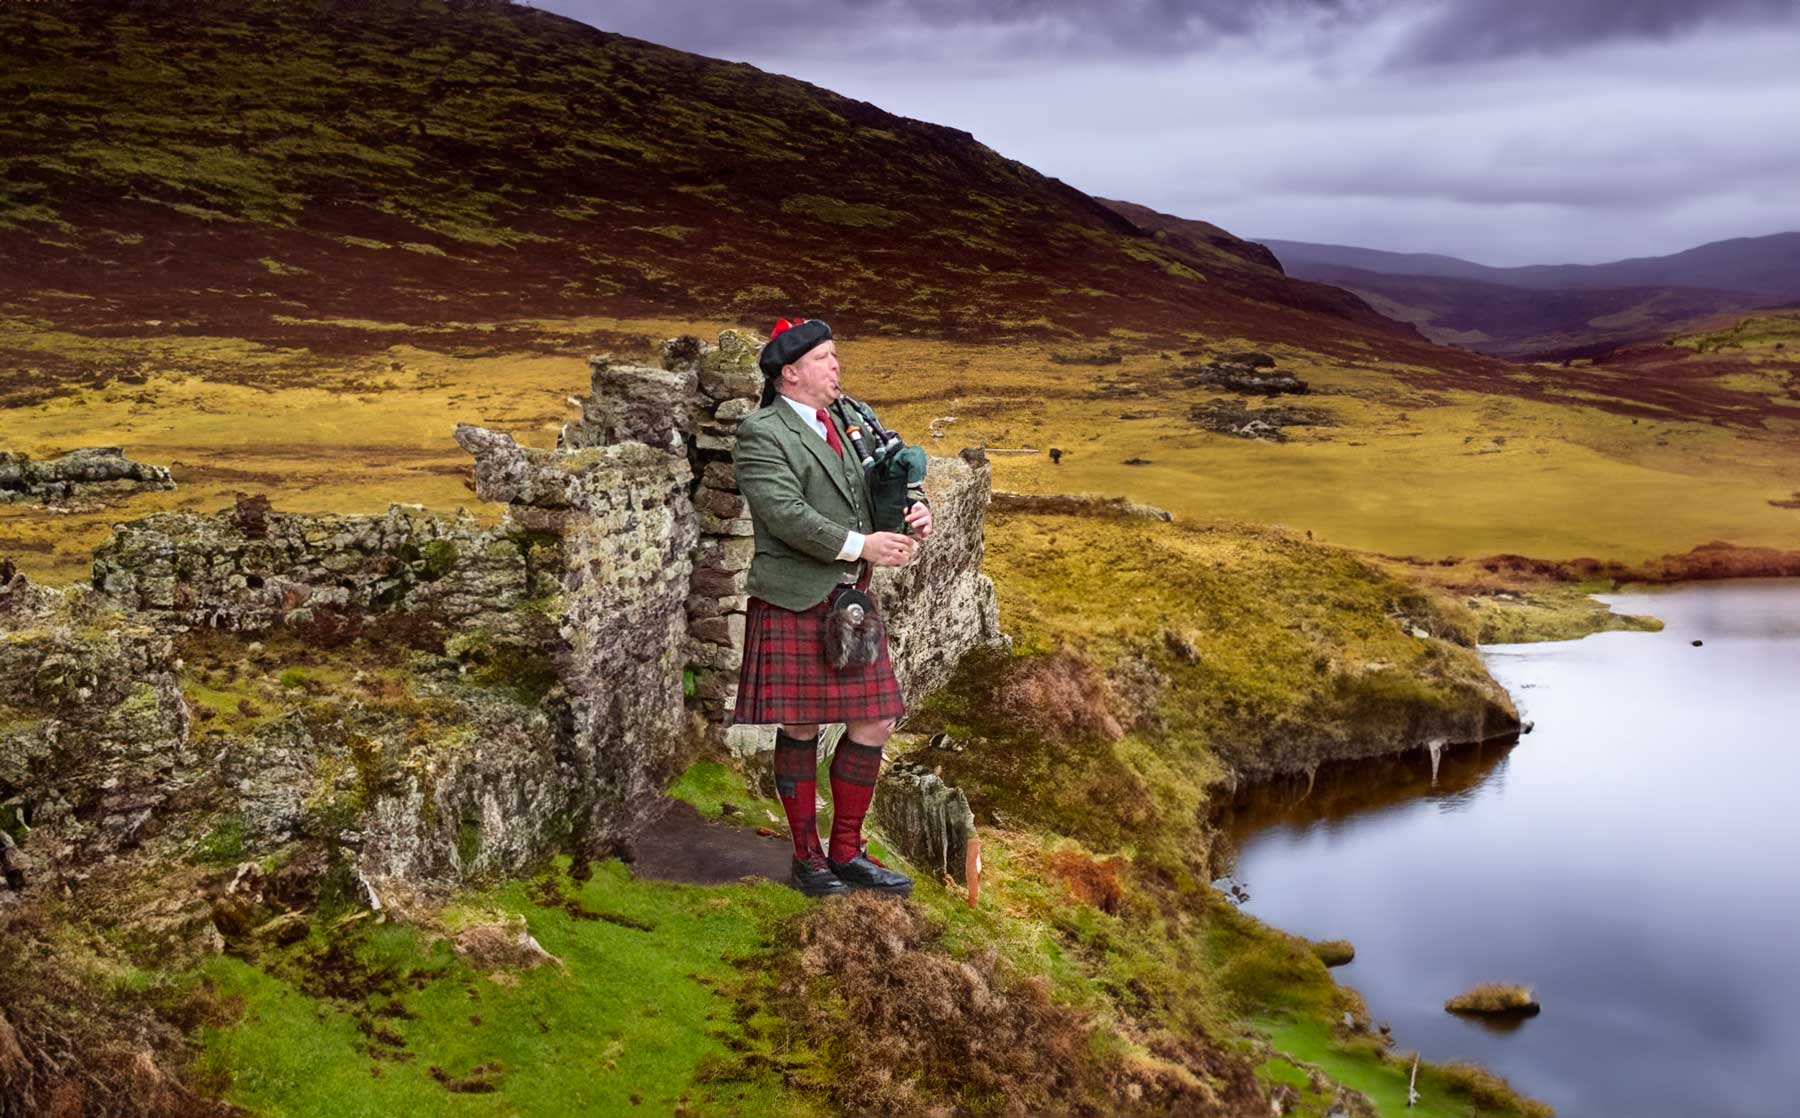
column 815, row 860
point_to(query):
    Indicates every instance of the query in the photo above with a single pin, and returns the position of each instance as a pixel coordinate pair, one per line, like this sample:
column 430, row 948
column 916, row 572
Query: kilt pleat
column 785, row 677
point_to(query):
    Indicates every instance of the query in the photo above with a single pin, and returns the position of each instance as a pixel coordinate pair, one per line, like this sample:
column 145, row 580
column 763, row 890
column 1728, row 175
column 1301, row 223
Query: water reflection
column 1632, row 860
column 1341, row 792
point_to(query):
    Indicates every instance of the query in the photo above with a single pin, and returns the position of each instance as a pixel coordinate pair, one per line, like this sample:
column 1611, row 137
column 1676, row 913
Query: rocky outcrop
column 928, row 821
column 1236, row 418
column 1251, row 373
column 94, row 740
column 940, row 606
column 97, row 472
column 1075, row 504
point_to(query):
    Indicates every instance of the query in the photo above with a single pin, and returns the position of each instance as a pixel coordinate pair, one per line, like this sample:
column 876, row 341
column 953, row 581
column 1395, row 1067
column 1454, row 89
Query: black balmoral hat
column 788, row 342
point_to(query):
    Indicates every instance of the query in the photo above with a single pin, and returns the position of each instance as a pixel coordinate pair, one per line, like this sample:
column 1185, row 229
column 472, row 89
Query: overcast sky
column 1503, row 131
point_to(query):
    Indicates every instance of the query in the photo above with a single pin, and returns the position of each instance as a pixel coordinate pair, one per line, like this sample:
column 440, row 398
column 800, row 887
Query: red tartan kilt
column 784, row 677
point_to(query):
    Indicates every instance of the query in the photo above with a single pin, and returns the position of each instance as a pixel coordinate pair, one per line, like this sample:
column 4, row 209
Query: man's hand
column 888, row 549
column 918, row 519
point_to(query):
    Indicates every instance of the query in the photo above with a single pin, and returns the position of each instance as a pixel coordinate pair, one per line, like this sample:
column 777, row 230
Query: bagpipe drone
column 893, row 470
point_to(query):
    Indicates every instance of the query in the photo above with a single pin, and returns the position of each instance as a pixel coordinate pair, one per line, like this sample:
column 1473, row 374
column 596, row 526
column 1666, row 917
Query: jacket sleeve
column 769, row 483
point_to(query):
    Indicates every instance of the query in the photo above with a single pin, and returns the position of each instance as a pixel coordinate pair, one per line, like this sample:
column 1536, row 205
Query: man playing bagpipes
column 815, row 651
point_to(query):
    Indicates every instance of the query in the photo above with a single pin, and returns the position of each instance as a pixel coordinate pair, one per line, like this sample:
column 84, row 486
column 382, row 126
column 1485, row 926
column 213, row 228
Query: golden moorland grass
column 1403, row 470
column 1494, row 997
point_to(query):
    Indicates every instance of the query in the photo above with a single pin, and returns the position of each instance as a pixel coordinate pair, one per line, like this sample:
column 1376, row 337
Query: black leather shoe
column 815, row 878
column 864, row 872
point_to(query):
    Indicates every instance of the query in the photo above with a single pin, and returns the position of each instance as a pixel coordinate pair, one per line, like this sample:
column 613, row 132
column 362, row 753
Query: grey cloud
column 768, row 28
column 1614, row 129
column 1474, row 30
column 1435, row 31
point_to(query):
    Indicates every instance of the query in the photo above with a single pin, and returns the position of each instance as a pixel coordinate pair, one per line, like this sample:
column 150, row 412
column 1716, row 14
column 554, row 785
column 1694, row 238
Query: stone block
column 715, row 583
column 726, row 629
column 721, row 503
column 721, row 526
column 927, row 820
column 719, row 475
column 752, row 742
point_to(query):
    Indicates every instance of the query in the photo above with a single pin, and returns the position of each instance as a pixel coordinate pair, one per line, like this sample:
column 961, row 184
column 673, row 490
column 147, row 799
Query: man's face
column 813, row 379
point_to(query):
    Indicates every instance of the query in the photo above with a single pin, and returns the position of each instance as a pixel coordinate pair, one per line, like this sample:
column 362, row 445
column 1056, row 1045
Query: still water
column 1635, row 859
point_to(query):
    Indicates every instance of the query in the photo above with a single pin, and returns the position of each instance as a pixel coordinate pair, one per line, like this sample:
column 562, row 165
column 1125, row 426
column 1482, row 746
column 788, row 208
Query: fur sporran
column 853, row 630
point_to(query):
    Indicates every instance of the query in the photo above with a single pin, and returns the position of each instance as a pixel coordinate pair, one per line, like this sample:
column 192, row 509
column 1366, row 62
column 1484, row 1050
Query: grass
column 1494, row 997
column 1403, row 473
column 1334, row 952
column 631, row 1023
column 1358, row 1062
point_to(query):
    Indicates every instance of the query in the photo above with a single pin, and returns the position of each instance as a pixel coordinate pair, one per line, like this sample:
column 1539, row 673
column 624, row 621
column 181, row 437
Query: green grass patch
column 390, row 1020
column 1361, row 1063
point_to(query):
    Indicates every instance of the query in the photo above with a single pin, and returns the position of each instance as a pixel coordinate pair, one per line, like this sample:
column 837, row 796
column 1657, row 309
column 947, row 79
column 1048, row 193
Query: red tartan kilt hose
column 785, row 678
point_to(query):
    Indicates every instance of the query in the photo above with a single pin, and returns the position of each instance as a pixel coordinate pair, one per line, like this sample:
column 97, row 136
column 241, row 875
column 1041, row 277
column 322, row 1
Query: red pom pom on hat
column 782, row 324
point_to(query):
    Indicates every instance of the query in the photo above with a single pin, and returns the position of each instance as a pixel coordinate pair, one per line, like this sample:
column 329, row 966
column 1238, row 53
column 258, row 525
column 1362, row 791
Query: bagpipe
column 895, row 471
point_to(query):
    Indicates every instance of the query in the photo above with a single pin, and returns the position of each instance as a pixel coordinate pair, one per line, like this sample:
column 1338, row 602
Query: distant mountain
column 258, row 169
column 1560, row 310
column 1755, row 265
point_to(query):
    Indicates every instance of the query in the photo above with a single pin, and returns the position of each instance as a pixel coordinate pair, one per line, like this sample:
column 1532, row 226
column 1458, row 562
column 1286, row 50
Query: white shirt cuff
column 852, row 546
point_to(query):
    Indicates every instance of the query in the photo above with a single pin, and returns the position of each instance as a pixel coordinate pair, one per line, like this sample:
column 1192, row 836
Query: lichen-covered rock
column 93, row 739
column 940, row 606
column 925, row 819
column 628, row 532
column 249, row 569
column 1235, row 417
column 481, row 794
column 635, row 404
column 94, row 471
column 1252, row 373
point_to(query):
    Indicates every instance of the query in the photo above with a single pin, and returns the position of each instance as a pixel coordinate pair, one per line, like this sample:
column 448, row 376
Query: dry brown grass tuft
column 1092, row 881
column 911, row 1029
column 1486, row 1089
column 1494, row 997
column 69, row 1049
column 1060, row 697
column 1333, row 952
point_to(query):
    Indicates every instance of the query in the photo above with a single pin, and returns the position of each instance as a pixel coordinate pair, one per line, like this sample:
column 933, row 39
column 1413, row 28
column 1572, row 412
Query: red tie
column 831, row 435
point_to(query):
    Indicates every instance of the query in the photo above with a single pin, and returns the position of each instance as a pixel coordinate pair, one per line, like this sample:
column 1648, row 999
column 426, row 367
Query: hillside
column 1755, row 265
column 283, row 174
column 1552, row 312
column 1525, row 323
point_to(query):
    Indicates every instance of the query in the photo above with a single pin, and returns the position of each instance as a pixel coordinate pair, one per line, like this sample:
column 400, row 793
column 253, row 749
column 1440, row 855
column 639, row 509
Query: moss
column 526, row 671
column 439, row 559
column 222, row 845
column 834, row 211
column 355, row 1020
column 468, row 842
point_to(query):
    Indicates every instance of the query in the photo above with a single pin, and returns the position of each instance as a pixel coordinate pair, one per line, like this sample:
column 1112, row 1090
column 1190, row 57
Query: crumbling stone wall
column 94, row 738
column 252, row 568
column 91, row 472
column 627, row 529
column 621, row 561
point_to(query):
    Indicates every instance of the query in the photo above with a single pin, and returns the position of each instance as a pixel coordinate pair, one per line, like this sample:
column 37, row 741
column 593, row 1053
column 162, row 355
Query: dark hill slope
column 1526, row 323
column 1246, row 262
column 1755, row 265
column 252, row 168
column 1557, row 310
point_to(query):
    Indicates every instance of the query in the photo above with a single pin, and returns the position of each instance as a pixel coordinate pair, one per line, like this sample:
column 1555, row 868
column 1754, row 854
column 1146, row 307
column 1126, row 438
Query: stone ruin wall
column 630, row 539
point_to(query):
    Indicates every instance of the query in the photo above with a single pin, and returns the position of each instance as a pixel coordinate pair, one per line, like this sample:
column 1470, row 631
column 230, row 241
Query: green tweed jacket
column 804, row 502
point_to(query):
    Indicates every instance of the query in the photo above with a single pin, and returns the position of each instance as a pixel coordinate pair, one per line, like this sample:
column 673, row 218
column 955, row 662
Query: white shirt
column 853, row 543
